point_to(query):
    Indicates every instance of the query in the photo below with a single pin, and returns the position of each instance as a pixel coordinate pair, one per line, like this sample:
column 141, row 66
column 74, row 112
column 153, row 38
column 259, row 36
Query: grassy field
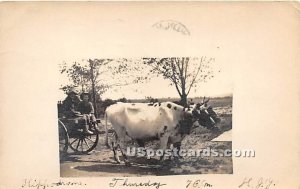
column 215, row 101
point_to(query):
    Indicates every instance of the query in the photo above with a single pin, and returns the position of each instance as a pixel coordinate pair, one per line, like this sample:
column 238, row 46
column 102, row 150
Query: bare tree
column 184, row 73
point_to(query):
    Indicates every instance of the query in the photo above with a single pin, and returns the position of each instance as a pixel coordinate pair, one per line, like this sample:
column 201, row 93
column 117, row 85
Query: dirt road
column 100, row 162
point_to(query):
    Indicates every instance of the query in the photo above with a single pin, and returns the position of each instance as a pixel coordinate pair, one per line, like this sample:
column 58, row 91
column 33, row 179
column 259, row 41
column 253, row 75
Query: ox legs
column 124, row 156
column 163, row 144
column 177, row 145
column 140, row 142
column 116, row 157
column 117, row 144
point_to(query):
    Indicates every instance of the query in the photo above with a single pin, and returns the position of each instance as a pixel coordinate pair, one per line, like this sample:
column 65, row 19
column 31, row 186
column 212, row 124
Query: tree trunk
column 93, row 88
column 183, row 100
column 94, row 101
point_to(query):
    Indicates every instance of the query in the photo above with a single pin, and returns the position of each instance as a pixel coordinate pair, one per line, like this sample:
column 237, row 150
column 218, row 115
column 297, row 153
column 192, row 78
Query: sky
column 158, row 87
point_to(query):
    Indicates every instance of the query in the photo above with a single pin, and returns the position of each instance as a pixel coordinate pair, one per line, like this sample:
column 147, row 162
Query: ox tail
column 106, row 131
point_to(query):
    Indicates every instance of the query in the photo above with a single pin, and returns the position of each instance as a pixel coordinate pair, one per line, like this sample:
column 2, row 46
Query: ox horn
column 212, row 120
column 205, row 101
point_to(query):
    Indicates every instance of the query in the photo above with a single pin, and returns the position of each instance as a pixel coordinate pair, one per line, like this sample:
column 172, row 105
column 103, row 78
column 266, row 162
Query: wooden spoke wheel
column 84, row 143
column 63, row 138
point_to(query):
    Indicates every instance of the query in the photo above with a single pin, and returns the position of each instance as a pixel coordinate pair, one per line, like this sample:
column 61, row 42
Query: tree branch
column 195, row 77
column 174, row 78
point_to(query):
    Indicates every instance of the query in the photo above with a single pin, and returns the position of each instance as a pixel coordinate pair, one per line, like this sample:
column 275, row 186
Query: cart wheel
column 63, row 138
column 84, row 143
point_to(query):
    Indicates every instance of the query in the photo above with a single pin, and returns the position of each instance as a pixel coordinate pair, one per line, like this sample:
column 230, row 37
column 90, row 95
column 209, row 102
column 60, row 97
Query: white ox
column 167, row 122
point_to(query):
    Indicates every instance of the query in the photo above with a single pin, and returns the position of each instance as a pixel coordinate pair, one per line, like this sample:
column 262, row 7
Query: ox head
column 205, row 115
column 196, row 115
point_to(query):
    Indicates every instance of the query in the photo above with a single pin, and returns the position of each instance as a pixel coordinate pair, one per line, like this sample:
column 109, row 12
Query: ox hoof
column 177, row 159
column 117, row 161
column 127, row 163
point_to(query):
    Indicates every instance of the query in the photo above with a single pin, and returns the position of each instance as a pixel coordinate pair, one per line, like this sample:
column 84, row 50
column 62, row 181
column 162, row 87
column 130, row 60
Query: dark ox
column 167, row 122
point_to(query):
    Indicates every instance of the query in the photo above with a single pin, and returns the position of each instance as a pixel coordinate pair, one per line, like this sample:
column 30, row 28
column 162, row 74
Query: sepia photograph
column 149, row 95
column 145, row 116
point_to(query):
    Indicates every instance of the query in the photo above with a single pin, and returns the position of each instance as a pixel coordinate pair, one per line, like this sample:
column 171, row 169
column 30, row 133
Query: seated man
column 85, row 107
column 69, row 109
column 70, row 103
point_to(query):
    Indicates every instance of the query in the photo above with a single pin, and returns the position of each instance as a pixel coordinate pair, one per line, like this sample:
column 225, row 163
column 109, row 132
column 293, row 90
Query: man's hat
column 72, row 92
